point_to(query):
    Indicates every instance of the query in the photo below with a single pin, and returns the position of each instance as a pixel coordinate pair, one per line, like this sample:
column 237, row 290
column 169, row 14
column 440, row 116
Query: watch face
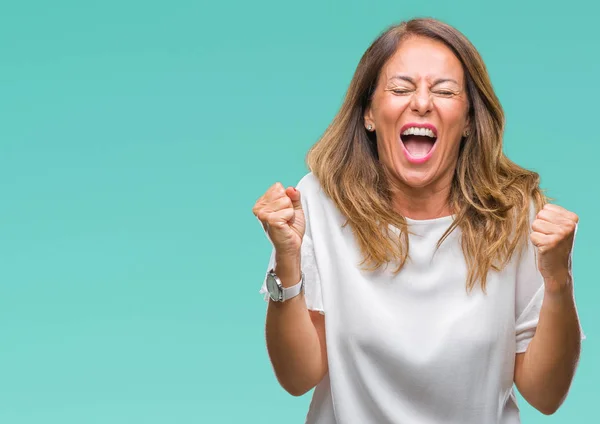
column 272, row 287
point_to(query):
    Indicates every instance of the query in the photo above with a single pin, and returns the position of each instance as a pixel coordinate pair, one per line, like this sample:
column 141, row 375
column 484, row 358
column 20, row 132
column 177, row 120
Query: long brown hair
column 490, row 195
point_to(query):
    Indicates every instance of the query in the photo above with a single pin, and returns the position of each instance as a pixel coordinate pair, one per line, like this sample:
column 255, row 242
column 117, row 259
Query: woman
column 416, row 271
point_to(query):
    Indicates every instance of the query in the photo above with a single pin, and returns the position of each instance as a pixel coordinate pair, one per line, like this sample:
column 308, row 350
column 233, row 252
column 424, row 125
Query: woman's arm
column 543, row 374
column 295, row 337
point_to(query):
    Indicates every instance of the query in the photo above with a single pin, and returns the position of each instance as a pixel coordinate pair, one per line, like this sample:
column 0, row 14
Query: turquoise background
column 135, row 137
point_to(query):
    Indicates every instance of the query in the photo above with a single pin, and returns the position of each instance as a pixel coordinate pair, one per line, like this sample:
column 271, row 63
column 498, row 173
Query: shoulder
column 315, row 201
column 535, row 205
column 523, row 220
column 526, row 209
column 309, row 185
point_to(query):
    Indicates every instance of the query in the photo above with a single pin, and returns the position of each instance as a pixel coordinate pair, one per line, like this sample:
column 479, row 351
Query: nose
column 421, row 102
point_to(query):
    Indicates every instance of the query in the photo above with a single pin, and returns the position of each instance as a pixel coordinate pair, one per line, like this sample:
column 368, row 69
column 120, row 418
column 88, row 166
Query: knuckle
column 275, row 205
column 275, row 190
column 283, row 203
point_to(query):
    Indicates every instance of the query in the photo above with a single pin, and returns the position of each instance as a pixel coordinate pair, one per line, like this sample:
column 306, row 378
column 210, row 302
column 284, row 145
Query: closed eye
column 400, row 91
column 444, row 92
column 404, row 91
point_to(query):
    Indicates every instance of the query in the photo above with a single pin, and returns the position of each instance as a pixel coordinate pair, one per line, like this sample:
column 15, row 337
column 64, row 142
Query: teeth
column 419, row 131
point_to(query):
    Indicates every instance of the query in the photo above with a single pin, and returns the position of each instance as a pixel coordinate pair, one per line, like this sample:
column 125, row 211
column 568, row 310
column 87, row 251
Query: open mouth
column 418, row 140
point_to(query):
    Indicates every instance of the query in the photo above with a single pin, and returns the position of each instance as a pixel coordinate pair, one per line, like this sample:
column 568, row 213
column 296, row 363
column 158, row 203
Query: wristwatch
column 277, row 292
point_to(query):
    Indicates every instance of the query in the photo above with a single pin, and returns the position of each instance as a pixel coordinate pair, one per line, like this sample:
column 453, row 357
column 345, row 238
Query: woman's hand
column 281, row 214
column 553, row 235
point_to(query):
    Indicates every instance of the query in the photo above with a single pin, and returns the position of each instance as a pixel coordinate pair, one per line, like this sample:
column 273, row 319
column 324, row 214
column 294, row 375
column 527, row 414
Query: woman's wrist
column 559, row 287
column 287, row 268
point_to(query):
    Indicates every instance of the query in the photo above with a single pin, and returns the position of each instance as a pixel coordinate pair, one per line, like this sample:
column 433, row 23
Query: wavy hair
column 490, row 196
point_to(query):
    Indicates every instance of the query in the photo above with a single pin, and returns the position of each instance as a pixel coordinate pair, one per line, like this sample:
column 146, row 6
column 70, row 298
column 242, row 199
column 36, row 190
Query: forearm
column 293, row 342
column 544, row 373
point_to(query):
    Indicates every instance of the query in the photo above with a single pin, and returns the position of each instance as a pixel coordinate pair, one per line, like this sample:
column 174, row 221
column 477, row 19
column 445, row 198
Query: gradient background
column 135, row 137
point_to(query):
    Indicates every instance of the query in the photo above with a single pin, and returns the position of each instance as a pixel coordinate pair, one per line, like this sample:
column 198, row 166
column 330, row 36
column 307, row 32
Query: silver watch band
column 295, row 290
column 281, row 293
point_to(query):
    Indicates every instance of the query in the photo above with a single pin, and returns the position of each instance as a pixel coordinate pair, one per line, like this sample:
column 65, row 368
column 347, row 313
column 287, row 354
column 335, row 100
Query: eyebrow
column 412, row 81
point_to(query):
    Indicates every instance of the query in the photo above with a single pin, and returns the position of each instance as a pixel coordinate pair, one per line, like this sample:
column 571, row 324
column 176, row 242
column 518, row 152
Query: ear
column 368, row 117
column 467, row 127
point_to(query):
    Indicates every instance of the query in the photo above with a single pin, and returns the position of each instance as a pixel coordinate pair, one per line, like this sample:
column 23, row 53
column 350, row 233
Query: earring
column 467, row 133
column 369, row 127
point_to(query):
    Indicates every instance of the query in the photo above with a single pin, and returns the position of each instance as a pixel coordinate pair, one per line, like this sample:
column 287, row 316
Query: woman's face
column 419, row 111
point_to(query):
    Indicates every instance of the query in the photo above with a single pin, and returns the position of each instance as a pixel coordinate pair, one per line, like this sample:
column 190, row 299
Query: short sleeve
column 312, row 281
column 308, row 262
column 529, row 294
column 529, row 297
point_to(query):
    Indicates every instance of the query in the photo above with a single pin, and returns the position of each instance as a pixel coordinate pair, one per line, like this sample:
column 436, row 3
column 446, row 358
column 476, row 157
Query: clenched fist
column 281, row 214
column 553, row 235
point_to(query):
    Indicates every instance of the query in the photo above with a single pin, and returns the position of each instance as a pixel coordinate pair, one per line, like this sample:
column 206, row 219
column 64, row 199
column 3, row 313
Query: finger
column 553, row 216
column 554, row 207
column 559, row 210
column 274, row 192
column 260, row 202
column 281, row 218
column 559, row 225
column 274, row 206
column 279, row 204
column 540, row 240
column 544, row 227
column 294, row 196
column 264, row 224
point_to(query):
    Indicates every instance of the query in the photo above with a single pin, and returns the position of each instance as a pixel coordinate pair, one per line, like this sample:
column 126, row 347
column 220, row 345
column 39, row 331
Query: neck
column 422, row 202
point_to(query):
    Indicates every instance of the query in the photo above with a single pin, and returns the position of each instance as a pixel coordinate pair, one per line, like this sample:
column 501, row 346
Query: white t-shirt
column 415, row 347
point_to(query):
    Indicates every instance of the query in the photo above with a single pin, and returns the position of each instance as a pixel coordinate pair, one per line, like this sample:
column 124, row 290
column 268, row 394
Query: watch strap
column 293, row 291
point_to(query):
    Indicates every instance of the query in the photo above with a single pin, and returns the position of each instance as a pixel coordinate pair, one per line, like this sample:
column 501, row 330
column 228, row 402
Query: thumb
column 294, row 196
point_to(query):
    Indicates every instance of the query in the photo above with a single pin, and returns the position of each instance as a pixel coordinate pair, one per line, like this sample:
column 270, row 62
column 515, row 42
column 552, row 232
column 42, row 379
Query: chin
column 415, row 179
